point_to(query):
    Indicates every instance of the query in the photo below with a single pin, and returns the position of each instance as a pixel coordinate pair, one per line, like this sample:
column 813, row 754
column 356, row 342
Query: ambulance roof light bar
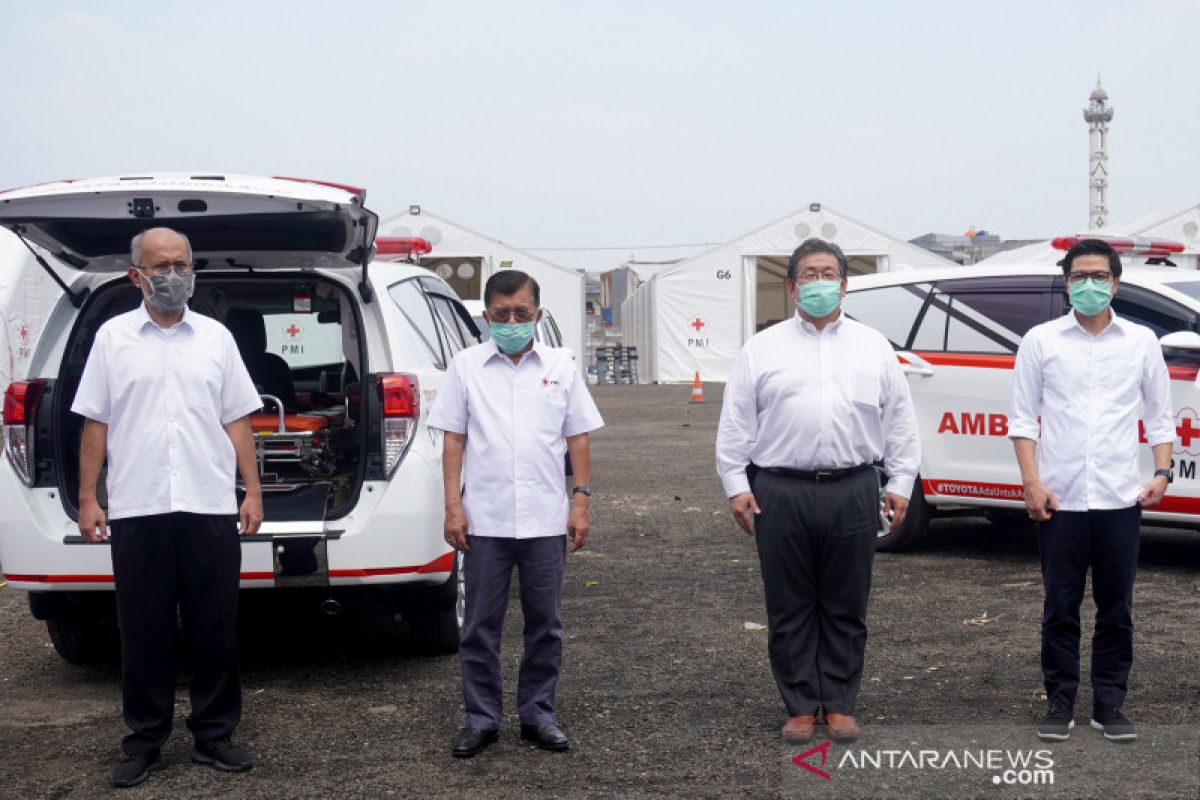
column 1124, row 245
column 408, row 248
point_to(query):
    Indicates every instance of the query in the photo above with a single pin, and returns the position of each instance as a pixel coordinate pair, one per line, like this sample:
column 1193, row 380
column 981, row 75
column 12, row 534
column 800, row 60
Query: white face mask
column 167, row 293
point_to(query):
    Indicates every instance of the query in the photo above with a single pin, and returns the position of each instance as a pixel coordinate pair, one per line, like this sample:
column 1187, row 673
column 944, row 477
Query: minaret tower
column 1098, row 114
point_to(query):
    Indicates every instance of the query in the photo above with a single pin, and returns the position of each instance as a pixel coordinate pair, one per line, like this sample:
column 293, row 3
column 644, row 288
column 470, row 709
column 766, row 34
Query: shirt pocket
column 864, row 389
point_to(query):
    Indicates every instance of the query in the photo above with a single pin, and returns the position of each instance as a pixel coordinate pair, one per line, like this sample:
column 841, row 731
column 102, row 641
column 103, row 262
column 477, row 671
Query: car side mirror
column 1181, row 340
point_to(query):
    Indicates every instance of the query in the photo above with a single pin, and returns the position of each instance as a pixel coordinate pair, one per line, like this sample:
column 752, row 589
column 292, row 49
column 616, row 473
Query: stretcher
column 316, row 442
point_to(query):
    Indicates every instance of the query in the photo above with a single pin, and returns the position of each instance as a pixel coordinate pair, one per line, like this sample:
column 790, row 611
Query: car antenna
column 75, row 298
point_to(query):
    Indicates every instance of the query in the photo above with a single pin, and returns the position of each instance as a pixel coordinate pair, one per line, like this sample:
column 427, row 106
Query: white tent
column 1180, row 226
column 466, row 260
column 696, row 316
column 27, row 294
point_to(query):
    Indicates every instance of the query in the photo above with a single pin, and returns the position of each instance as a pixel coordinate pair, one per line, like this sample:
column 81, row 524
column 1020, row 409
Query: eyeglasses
column 1101, row 276
column 504, row 315
column 808, row 276
column 163, row 267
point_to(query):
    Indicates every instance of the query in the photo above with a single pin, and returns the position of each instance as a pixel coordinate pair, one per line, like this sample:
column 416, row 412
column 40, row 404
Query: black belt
column 817, row 475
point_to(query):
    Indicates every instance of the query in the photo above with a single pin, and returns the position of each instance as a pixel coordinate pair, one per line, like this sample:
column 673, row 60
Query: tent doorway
column 772, row 303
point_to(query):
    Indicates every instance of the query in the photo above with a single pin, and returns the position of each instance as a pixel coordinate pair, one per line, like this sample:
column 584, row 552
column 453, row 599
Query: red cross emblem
column 697, row 324
column 1187, row 432
column 292, row 330
column 546, row 382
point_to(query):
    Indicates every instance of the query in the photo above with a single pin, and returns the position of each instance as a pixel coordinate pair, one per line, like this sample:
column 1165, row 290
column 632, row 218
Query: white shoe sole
column 1057, row 737
column 1114, row 737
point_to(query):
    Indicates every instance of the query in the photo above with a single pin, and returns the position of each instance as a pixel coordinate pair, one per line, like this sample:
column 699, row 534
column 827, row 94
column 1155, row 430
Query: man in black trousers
column 1079, row 386
column 166, row 398
column 812, row 404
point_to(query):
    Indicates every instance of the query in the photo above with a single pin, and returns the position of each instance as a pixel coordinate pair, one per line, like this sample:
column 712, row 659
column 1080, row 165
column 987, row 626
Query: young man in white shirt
column 812, row 405
column 510, row 408
column 166, row 398
column 1079, row 386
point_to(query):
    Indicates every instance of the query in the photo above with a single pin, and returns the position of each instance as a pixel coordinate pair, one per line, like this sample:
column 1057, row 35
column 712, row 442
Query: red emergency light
column 1125, row 245
column 361, row 194
column 403, row 246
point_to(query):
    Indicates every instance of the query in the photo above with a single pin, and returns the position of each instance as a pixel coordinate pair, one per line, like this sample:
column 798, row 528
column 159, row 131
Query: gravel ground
column 666, row 689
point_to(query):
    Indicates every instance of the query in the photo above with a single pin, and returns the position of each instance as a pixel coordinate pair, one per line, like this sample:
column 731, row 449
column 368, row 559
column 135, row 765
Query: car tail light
column 20, row 408
column 400, row 402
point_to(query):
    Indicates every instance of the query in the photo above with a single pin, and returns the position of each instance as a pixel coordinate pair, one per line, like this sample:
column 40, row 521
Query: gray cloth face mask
column 168, row 293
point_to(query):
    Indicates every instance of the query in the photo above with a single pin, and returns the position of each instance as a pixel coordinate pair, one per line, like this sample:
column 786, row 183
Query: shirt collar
column 494, row 351
column 807, row 327
column 1115, row 323
column 144, row 318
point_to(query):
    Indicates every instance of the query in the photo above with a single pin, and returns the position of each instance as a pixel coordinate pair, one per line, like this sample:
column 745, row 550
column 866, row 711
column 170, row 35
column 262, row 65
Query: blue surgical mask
column 512, row 337
column 1089, row 297
column 819, row 298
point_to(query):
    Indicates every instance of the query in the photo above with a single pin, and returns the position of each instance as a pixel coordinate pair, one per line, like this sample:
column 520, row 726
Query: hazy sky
column 621, row 123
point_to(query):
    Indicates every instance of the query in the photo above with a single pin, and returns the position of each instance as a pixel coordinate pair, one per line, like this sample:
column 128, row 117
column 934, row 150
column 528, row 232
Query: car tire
column 912, row 529
column 436, row 623
column 82, row 639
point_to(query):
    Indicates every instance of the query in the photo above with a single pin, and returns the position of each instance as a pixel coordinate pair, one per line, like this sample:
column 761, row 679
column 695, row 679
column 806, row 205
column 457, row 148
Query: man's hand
column 744, row 508
column 456, row 527
column 92, row 523
column 578, row 526
column 1152, row 493
column 1039, row 501
column 250, row 516
column 895, row 507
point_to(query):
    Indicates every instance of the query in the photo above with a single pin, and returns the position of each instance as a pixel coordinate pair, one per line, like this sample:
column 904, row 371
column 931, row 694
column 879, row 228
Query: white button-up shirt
column 804, row 399
column 1088, row 391
column 165, row 395
column 516, row 418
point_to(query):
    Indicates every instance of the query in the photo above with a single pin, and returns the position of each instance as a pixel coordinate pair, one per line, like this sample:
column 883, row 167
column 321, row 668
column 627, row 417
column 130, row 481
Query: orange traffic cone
column 697, row 390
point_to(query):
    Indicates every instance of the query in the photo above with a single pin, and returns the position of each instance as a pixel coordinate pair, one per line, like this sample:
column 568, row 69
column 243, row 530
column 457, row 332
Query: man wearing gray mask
column 166, row 398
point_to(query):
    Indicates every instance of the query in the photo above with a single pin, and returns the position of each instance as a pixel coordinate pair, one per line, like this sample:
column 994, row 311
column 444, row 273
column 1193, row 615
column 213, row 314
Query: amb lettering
column 974, row 424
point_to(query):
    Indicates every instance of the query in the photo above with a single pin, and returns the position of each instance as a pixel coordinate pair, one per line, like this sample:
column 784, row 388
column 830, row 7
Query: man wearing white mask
column 165, row 397
column 510, row 408
column 1079, row 386
column 812, row 405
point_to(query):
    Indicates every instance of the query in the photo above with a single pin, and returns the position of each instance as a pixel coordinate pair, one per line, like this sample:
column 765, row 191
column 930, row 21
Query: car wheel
column 436, row 623
column 82, row 639
column 914, row 526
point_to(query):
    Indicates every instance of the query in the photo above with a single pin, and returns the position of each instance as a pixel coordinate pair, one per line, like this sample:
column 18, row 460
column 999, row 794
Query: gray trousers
column 816, row 543
column 488, row 567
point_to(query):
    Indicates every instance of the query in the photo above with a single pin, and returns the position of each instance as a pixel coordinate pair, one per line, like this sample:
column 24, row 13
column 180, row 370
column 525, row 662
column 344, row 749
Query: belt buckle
column 822, row 475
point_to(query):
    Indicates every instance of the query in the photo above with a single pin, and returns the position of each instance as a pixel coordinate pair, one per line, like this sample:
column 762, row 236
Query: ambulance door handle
column 912, row 369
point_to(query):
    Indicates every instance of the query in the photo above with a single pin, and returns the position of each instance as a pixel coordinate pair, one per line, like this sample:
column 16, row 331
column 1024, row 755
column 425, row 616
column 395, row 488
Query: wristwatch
column 1166, row 473
column 584, row 490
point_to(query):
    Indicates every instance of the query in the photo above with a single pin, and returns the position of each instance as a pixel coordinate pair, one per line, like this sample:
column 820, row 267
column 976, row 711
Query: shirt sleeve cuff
column 735, row 483
column 87, row 411
column 901, row 485
column 244, row 411
column 446, row 425
column 1021, row 430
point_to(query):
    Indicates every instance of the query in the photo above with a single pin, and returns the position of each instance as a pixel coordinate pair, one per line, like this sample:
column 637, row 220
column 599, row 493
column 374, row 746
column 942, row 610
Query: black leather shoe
column 132, row 770
column 548, row 736
column 472, row 741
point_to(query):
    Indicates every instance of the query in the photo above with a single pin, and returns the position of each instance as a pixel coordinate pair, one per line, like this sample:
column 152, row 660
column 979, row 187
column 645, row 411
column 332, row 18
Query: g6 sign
column 724, row 275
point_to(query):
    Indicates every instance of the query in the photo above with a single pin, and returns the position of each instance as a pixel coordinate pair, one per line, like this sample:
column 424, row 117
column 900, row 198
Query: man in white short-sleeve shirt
column 510, row 409
column 165, row 397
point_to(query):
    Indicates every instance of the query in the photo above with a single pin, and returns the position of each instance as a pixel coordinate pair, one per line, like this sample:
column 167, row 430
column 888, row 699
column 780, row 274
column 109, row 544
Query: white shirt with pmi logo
column 1088, row 391
column 804, row 399
column 516, row 418
column 165, row 395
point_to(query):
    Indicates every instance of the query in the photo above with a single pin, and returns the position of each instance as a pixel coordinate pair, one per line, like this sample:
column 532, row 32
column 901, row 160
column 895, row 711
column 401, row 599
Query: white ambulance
column 348, row 354
column 956, row 333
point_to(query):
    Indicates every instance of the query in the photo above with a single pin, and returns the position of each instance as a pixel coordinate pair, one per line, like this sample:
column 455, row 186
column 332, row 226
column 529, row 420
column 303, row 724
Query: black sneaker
column 222, row 754
column 1113, row 723
column 1056, row 725
column 132, row 770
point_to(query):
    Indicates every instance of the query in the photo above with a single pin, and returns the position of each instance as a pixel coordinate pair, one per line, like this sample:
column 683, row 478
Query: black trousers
column 1069, row 543
column 816, row 545
column 192, row 561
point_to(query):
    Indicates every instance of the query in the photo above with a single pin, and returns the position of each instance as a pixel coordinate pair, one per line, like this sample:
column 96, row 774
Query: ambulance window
column 993, row 322
column 451, row 332
column 1157, row 313
column 415, row 308
column 890, row 310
